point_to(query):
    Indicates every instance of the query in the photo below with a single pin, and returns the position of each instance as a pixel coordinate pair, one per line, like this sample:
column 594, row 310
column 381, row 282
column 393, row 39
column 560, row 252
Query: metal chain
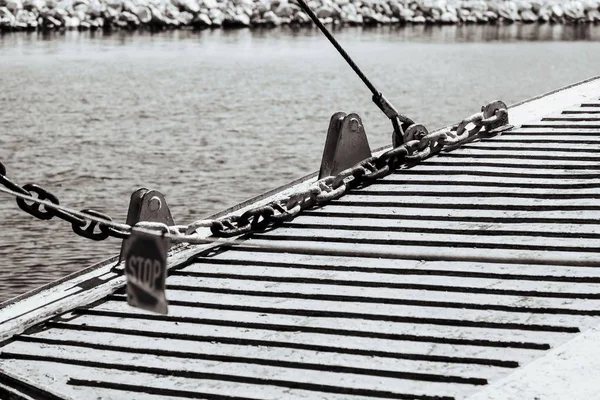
column 83, row 223
column 95, row 225
column 493, row 118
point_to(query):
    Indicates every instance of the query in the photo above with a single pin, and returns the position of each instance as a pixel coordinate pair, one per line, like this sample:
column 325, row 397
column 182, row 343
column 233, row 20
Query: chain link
column 95, row 225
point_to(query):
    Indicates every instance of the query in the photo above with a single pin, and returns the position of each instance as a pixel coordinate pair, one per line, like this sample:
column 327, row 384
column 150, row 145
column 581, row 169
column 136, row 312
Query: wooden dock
column 470, row 275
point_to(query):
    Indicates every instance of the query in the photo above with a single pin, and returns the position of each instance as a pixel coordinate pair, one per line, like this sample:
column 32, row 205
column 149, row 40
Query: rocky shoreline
column 202, row 14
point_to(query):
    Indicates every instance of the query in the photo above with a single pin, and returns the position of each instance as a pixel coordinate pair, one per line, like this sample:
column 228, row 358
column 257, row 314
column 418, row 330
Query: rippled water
column 214, row 117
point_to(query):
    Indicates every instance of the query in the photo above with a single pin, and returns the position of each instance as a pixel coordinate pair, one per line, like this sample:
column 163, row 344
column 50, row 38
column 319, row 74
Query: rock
column 480, row 16
column 263, row 6
column 7, row 19
column 191, row 6
column 350, row 9
column 144, row 14
column 130, row 7
column 130, row 18
column 418, row 20
column 314, row 5
column 51, row 23
column 158, row 17
column 528, row 16
column 241, row 20
column 97, row 23
column 354, row 19
column 406, row 14
column 287, row 10
column 463, row 14
column 301, row 18
column 271, row 18
column 14, row 6
column 324, row 12
column 208, row 3
column 201, row 21
column 593, row 15
column 33, row 5
column 24, row 16
column 557, row 11
column 544, row 14
column 171, row 11
column 573, row 11
column 505, row 13
column 491, row 16
column 396, row 9
column 386, row 10
column 185, row 18
column 216, row 16
column 72, row 22
column 524, row 6
column 449, row 18
column 110, row 14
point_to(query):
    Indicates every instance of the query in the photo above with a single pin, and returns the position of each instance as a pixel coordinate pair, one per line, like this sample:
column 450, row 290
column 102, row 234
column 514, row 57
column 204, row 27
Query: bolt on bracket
column 346, row 144
column 147, row 205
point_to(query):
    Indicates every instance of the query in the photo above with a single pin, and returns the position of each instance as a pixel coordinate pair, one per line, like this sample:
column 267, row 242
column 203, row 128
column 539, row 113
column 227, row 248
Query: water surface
column 212, row 118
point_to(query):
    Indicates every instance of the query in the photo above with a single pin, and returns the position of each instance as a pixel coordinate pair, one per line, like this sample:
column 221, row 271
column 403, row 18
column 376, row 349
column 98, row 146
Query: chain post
column 145, row 205
column 346, row 144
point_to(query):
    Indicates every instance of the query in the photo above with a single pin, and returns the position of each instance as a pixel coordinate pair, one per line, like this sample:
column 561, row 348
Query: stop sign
column 146, row 271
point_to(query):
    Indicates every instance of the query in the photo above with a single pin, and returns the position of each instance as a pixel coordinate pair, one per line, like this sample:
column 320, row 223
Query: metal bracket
column 346, row 144
column 147, row 205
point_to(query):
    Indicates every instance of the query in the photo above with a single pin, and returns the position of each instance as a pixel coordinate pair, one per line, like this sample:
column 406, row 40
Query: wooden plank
column 508, row 161
column 181, row 314
column 448, row 213
column 428, row 251
column 496, row 144
column 243, row 257
column 577, row 117
column 499, row 169
column 455, row 202
column 540, row 138
column 468, row 190
column 319, row 381
column 476, row 228
column 563, row 124
column 301, row 359
column 467, row 179
column 365, row 279
column 9, row 393
column 416, row 297
column 581, row 114
column 588, row 154
column 582, row 110
column 251, row 335
column 549, row 132
column 503, row 241
column 132, row 383
column 417, row 314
